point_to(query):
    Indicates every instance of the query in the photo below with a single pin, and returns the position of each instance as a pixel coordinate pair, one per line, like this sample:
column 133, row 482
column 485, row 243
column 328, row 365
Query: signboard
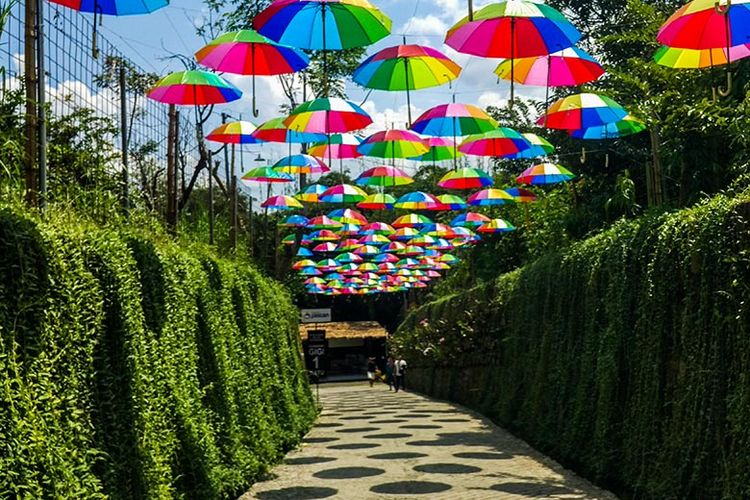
column 315, row 315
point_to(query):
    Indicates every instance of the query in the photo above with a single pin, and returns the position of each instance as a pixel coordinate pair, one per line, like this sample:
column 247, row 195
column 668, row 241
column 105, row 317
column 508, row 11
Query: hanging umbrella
column 281, row 203
column 377, row 201
column 247, row 52
column 327, row 247
column 294, row 221
column 383, row 177
column 707, row 24
column 194, row 88
column 498, row 143
column 626, row 126
column 417, row 200
column 274, row 130
column 239, row 132
column 301, row 264
column 385, row 258
column 343, row 193
column 452, row 202
column 496, row 226
column 393, row 144
column 672, row 57
column 348, row 245
column 289, row 240
column 350, row 229
column 323, row 222
column 301, row 164
column 267, row 175
column 304, row 252
column 114, row 7
column 539, row 147
column 367, row 250
column 470, row 219
column 324, row 235
column 490, row 197
column 378, row 228
column 412, row 221
column 465, row 178
column 521, row 195
column 582, row 111
column 343, row 147
column 513, row 29
column 311, row 194
column 328, row 115
column 404, row 233
column 348, row 216
column 567, row 68
column 439, row 149
column 406, row 67
column 323, row 24
column 545, row 173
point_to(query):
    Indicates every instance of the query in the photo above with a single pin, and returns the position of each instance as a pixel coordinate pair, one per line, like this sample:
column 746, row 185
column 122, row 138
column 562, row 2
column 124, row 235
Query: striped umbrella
column 465, row 178
column 452, row 202
column 311, row 194
column 539, row 147
column 545, row 173
column 239, row 132
column 377, row 201
column 418, row 200
column 580, row 111
column 498, row 143
column 274, row 130
column 439, row 149
column 343, row 193
column 281, row 203
column 267, row 175
column 496, row 226
column 626, row 126
column 342, row 147
column 393, row 144
column 383, row 177
column 194, row 88
column 490, row 197
column 301, row 164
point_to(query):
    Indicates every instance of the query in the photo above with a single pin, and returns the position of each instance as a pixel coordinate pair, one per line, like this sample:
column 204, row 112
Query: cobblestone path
column 371, row 443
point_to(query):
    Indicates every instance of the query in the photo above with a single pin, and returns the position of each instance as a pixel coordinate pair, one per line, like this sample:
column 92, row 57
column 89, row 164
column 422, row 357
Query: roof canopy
column 348, row 330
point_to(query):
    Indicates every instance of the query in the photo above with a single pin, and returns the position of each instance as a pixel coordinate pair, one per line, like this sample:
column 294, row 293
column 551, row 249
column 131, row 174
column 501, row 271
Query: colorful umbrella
column 114, row 7
column 470, row 219
column 539, row 147
column 383, row 177
column 453, row 120
column 324, row 235
column 622, row 128
column 521, row 195
column 439, row 149
column 342, row 147
column 238, row 132
column 406, row 67
column 274, row 130
column 452, row 202
column 301, row 164
column 490, row 197
column 194, row 88
column 281, row 203
column 350, row 229
column 323, row 222
column 579, row 111
column 404, row 233
column 327, row 247
column 328, row 115
column 465, row 178
column 412, row 221
column 417, row 200
column 498, row 143
column 393, row 144
column 545, row 173
column 267, row 175
column 707, row 24
column 496, row 226
column 294, row 221
column 699, row 58
column 348, row 216
column 247, row 52
column 567, row 68
column 343, row 193
column 289, row 240
column 311, row 194
column 378, row 201
column 378, row 228
column 304, row 252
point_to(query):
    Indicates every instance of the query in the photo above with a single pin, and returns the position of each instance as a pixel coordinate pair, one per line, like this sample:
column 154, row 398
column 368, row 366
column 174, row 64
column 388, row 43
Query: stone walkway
column 372, row 443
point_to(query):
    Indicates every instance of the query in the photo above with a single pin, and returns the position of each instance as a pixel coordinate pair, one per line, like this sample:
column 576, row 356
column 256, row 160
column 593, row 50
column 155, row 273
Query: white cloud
column 491, row 99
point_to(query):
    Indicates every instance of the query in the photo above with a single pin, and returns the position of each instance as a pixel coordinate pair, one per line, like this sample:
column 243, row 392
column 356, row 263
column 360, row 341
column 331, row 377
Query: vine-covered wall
column 131, row 367
column 626, row 356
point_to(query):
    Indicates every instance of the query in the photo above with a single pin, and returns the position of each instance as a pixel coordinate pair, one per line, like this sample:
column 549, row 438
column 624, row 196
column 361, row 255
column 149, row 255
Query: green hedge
column 131, row 367
column 625, row 356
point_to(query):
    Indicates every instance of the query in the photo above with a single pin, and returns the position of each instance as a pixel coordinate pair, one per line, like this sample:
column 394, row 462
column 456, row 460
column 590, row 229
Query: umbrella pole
column 724, row 10
column 512, row 57
column 546, row 95
column 325, row 54
column 252, row 57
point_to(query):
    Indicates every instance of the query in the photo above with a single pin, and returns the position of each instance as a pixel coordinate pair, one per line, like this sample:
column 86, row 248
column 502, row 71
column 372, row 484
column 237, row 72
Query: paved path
column 372, row 443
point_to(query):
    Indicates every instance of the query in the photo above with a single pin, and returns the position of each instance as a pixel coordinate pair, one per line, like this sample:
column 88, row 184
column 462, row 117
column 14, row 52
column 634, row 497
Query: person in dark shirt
column 372, row 367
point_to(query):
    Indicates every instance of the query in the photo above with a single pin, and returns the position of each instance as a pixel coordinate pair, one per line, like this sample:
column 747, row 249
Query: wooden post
column 30, row 82
column 211, row 170
column 124, row 140
column 233, row 203
column 656, row 156
column 171, row 171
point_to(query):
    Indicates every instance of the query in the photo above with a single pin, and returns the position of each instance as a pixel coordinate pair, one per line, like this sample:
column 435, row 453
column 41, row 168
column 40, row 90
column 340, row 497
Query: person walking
column 389, row 372
column 399, row 371
column 372, row 367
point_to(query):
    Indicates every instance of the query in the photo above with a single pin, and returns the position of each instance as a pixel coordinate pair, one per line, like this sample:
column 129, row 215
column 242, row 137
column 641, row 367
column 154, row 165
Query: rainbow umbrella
column 194, row 88
column 348, row 216
column 422, row 241
column 385, row 258
column 499, row 143
column 289, row 240
column 342, row 147
column 393, row 246
column 274, row 130
column 301, row 264
column 350, row 229
column 411, row 251
column 311, row 194
column 304, row 252
column 247, row 52
column 327, row 115
column 367, row 250
column 267, row 175
column 393, row 144
column 545, row 173
column 294, row 221
column 539, row 147
column 323, row 222
column 281, row 203
column 343, row 193
column 521, row 195
column 465, row 178
column 579, row 111
column 626, row 126
column 707, row 24
column 567, row 68
column 323, row 24
column 412, row 220
column 324, row 235
column 378, row 228
column 114, row 7
column 301, row 164
column 417, row 200
column 377, row 201
column 496, row 226
column 439, row 149
column 315, row 281
column 383, row 177
column 374, row 239
column 404, row 234
column 672, row 57
column 327, row 265
column 310, row 271
column 490, row 197
column 406, row 67
column 238, row 132
column 452, row 202
column 348, row 245
column 348, row 258
column 327, row 247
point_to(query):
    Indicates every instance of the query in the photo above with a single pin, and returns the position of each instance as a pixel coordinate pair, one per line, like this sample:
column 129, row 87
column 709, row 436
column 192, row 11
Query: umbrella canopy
column 341, row 147
column 412, row 221
column 545, row 173
column 378, row 201
column 465, row 178
column 496, row 226
column 294, row 221
column 470, row 219
column 378, row 228
column 452, row 202
column 404, row 234
column 114, row 7
column 274, row 130
column 699, row 58
column 439, row 149
column 301, row 164
column 343, row 193
column 384, row 177
column 707, row 24
column 490, row 197
column 626, row 126
column 539, row 147
column 194, row 88
column 521, row 195
column 327, row 115
column 348, row 216
column 311, row 194
column 281, row 203
column 582, row 111
column 267, row 175
column 323, row 24
column 513, row 29
column 323, row 222
column 393, row 144
column 453, row 120
column 417, row 200
column 239, row 132
column 567, row 68
column 501, row 142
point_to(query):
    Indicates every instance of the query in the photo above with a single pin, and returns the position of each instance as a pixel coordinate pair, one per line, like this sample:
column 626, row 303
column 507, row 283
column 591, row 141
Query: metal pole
column 175, row 211
column 32, row 115
column 471, row 10
column 124, row 140
column 171, row 171
column 41, row 105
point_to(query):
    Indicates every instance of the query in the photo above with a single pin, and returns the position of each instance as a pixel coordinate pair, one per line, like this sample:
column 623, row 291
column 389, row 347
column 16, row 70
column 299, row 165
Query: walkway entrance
column 347, row 347
column 370, row 443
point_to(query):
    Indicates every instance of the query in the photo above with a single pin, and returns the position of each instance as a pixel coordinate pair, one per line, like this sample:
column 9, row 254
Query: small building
column 347, row 347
